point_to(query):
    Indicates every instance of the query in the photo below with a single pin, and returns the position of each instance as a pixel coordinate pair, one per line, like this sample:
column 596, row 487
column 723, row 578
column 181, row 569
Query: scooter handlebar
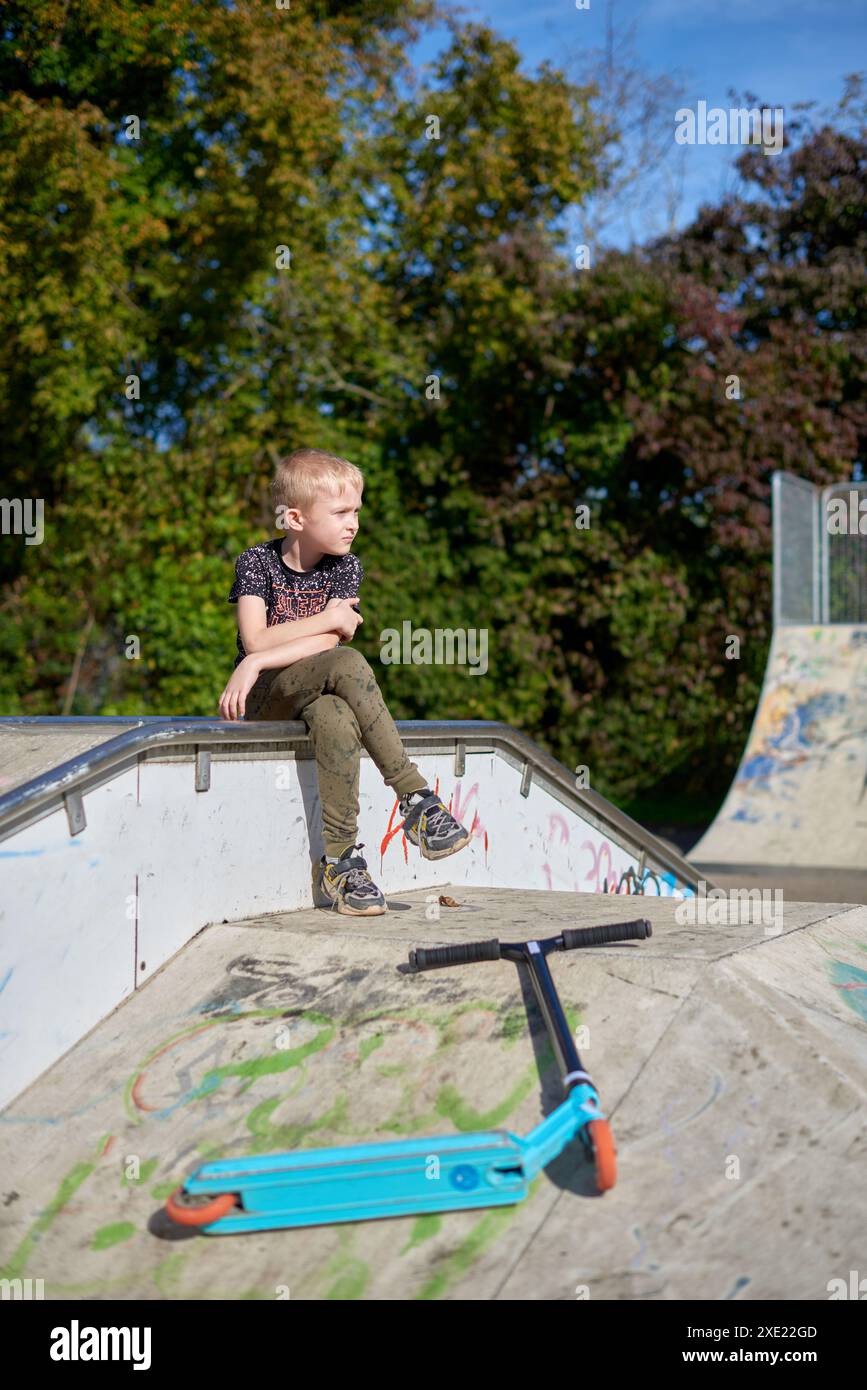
column 604, row 936
column 431, row 957
column 469, row 952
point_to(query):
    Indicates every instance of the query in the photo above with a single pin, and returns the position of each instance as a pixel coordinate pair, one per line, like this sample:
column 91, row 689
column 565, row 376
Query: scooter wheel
column 604, row 1154
column 198, row 1208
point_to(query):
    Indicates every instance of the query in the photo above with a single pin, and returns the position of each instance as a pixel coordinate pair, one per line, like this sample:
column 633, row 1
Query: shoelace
column 438, row 819
column 359, row 880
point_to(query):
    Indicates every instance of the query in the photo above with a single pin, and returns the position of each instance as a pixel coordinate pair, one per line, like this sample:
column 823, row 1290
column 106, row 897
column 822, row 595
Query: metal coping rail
column 42, row 795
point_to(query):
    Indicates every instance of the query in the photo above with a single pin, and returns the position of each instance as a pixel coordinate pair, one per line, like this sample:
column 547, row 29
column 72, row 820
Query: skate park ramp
column 115, row 859
column 730, row 1059
column 796, row 813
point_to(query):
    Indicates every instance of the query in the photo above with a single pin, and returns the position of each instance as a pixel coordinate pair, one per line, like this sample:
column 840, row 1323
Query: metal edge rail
column 70, row 780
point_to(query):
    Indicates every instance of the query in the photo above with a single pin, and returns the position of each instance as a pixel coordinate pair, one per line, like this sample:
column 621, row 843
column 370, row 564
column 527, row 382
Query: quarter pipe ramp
column 800, row 795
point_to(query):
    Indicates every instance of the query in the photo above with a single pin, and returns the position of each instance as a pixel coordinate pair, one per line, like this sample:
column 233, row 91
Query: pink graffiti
column 597, row 854
column 558, row 822
column 461, row 807
column 603, row 876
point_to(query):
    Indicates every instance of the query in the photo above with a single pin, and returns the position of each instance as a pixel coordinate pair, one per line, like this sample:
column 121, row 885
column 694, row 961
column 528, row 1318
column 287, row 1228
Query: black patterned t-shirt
column 288, row 593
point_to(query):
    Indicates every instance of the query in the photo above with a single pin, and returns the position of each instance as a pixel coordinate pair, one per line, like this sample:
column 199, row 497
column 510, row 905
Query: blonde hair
column 302, row 477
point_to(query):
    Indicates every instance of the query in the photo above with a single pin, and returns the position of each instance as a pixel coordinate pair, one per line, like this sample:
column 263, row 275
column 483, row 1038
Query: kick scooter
column 492, row 1168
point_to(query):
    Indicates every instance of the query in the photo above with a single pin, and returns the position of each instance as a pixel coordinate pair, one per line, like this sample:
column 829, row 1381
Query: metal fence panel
column 844, row 553
column 796, row 550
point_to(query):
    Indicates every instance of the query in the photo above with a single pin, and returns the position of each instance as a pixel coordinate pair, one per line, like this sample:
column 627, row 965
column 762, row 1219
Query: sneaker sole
column 444, row 853
column 321, row 899
column 373, row 911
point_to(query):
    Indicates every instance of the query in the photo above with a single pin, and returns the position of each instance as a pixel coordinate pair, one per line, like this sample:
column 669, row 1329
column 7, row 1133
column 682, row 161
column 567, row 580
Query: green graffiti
column 369, row 1045
column 147, row 1169
column 267, row 1137
column 209, row 1150
column 405, row 1120
column 346, row 1276
column 423, row 1228
column 462, row 1259
column 107, row 1236
column 68, row 1186
column 351, row 1282
column 451, row 1104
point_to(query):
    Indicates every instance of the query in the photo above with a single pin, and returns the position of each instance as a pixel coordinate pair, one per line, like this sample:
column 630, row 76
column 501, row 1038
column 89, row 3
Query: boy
column 311, row 579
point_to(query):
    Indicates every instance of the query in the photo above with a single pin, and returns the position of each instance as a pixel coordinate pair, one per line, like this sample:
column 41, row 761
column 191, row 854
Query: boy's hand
column 345, row 618
column 241, row 682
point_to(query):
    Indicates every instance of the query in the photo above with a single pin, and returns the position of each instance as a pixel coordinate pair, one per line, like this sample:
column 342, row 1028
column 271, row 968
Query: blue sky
column 782, row 51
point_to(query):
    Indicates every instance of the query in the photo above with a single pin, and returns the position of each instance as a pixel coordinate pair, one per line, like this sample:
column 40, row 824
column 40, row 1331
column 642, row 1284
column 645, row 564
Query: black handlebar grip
column 603, row 936
column 432, row 957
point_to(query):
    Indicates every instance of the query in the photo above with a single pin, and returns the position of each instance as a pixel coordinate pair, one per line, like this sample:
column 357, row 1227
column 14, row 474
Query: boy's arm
column 293, row 650
column 318, row 625
column 270, row 637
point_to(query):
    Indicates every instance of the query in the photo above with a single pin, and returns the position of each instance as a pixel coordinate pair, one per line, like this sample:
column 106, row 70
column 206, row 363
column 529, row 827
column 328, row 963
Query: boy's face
column 333, row 521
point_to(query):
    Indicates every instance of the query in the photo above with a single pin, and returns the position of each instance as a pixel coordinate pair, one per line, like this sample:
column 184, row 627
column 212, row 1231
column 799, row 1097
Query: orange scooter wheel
column 198, row 1208
column 604, row 1154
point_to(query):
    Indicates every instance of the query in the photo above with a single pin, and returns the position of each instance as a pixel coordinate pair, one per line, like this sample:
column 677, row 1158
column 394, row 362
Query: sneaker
column 428, row 823
column 348, row 886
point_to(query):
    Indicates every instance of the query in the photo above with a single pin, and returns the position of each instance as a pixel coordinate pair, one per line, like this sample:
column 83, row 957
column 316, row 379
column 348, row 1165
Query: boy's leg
column 336, row 741
column 427, row 822
column 337, row 695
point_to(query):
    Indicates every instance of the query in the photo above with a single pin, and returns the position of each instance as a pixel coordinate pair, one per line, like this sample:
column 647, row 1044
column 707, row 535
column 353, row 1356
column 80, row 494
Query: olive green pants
column 336, row 694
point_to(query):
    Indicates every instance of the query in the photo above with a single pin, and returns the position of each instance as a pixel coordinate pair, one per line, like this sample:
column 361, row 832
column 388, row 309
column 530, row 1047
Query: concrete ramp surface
column 168, row 996
column 800, row 795
column 730, row 1060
